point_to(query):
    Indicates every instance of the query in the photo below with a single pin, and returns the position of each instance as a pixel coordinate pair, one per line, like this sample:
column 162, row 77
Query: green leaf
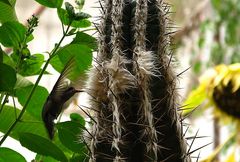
column 195, row 98
column 7, row 12
column 73, row 126
column 75, row 117
column 32, row 65
column 22, row 82
column 9, row 2
column 63, row 16
column 82, row 54
column 70, row 140
column 79, row 157
column 12, row 2
column 27, row 124
column 81, row 16
column 197, row 67
column 12, row 34
column 231, row 36
column 41, row 146
column 45, row 158
column 72, row 31
column 8, row 60
column 30, row 38
column 7, row 155
column 8, row 77
column 6, row 2
column 216, row 4
column 57, row 64
column 85, row 39
column 80, row 22
column 84, row 23
column 50, row 3
column 70, row 10
column 37, row 101
column 69, row 134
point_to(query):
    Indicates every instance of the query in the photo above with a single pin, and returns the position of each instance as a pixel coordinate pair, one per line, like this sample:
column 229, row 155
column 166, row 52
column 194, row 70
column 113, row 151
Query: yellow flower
column 219, row 87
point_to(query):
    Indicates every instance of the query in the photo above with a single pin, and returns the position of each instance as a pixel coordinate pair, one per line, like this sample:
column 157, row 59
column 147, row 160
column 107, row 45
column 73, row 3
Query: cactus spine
column 133, row 87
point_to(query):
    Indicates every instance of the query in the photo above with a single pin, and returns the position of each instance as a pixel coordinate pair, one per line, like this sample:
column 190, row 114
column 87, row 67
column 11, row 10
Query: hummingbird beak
column 78, row 90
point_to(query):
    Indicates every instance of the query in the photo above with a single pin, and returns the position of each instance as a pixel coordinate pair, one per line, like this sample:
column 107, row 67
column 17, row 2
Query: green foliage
column 85, row 39
column 226, row 17
column 82, row 53
column 224, row 42
column 69, row 135
column 7, row 11
column 79, row 21
column 8, row 60
column 22, row 82
column 24, row 123
column 77, row 118
column 7, row 154
column 42, row 146
column 69, row 17
column 32, row 65
column 28, row 123
column 50, row 3
column 8, row 77
column 219, row 43
column 12, row 34
column 36, row 103
column 78, row 158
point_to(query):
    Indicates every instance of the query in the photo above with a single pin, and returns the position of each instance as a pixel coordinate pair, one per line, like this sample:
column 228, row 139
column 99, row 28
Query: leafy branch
column 25, row 125
column 52, row 54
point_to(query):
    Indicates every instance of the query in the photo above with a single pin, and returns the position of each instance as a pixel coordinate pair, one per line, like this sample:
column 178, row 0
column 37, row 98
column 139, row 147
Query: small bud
column 80, row 3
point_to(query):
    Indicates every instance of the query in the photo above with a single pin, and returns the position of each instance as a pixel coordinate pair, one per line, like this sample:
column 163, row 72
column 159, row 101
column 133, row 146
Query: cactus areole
column 133, row 86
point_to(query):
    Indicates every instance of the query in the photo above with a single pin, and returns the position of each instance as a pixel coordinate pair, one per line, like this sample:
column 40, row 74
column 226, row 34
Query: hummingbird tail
column 49, row 124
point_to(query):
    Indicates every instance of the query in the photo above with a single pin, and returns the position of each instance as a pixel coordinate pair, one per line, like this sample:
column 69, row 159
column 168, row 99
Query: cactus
column 133, row 87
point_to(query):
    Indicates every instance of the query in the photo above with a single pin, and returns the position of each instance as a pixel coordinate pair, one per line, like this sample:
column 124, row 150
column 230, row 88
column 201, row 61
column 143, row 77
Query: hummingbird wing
column 63, row 82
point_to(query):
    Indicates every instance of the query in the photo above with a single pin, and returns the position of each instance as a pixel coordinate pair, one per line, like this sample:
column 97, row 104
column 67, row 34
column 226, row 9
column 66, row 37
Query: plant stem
column 1, row 97
column 216, row 135
column 88, row 29
column 4, row 101
column 52, row 54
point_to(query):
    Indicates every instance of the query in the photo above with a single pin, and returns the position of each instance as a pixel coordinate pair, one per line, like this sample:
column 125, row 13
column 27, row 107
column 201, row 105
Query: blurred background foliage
column 209, row 40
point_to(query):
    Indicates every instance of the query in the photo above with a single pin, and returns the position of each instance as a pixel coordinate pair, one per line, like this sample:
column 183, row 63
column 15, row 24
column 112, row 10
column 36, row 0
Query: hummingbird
column 62, row 91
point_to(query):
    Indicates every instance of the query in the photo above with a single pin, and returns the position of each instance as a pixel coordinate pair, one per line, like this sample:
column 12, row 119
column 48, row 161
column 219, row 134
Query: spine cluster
column 133, row 88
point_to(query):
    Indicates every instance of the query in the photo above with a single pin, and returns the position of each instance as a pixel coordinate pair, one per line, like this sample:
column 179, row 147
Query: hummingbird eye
column 71, row 89
column 68, row 93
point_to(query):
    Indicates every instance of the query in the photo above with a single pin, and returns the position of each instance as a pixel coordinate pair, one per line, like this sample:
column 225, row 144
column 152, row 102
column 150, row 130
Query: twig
column 52, row 54
column 37, row 12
